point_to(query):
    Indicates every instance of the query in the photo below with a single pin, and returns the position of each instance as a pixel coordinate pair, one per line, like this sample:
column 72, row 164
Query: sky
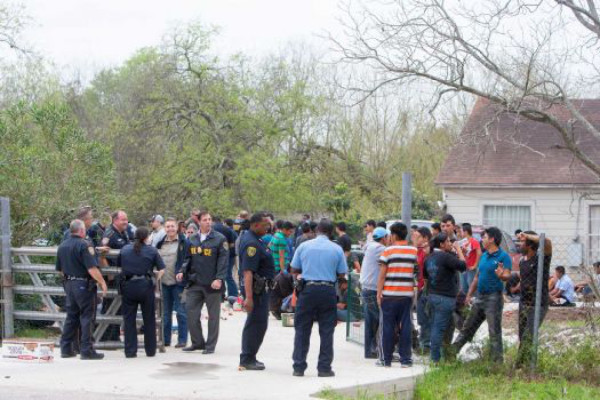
column 88, row 35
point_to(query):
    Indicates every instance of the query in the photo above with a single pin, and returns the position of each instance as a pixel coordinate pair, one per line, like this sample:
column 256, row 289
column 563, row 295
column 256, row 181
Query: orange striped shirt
column 400, row 259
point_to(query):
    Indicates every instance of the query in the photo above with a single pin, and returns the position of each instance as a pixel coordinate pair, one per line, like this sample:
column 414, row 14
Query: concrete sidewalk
column 175, row 374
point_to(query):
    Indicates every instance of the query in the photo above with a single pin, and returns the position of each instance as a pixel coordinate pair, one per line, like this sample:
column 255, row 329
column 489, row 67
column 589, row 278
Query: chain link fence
column 355, row 325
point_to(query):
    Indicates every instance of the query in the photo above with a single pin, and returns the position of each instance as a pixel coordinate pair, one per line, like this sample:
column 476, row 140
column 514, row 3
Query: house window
column 594, row 229
column 507, row 218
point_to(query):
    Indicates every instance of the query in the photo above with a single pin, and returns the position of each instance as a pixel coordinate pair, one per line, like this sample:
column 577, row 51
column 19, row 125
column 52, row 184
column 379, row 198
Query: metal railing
column 47, row 288
column 41, row 288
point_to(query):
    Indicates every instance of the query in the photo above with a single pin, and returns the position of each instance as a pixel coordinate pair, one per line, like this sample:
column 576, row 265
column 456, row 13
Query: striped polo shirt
column 400, row 259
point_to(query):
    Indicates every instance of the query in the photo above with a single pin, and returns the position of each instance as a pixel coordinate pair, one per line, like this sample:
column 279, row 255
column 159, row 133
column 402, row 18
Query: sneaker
column 92, row 356
column 326, row 374
column 298, row 373
column 255, row 366
column 407, row 364
column 193, row 348
column 179, row 345
column 68, row 355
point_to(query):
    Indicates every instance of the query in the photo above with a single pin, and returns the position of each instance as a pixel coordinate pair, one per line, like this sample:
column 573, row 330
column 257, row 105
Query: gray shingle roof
column 499, row 148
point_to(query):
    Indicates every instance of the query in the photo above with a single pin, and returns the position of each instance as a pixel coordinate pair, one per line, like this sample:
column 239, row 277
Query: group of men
column 470, row 274
column 198, row 267
column 398, row 273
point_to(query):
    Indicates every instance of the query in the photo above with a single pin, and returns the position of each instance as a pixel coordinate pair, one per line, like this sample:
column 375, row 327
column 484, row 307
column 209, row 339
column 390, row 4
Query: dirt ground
column 557, row 317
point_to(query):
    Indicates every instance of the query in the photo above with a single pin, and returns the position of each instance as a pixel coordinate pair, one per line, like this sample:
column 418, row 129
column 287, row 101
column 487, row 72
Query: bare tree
column 528, row 57
column 12, row 22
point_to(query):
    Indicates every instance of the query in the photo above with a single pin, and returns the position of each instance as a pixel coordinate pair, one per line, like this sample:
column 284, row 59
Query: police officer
column 205, row 267
column 137, row 262
column 321, row 263
column 76, row 260
column 258, row 270
column 115, row 237
column 84, row 214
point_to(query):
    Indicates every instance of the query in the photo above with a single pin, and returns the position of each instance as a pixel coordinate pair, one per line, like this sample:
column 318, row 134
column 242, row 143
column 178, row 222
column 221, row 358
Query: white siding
column 558, row 212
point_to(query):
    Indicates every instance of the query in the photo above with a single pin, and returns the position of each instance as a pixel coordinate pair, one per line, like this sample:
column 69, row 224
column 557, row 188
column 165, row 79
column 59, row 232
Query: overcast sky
column 90, row 34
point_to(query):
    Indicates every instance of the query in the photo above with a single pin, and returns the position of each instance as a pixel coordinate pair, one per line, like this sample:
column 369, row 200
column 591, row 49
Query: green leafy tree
column 48, row 168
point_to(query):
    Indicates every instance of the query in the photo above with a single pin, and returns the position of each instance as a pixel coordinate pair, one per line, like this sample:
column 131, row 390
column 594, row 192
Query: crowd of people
column 270, row 265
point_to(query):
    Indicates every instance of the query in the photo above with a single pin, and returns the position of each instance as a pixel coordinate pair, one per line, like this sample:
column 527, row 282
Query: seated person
column 342, row 304
column 563, row 293
column 283, row 286
column 513, row 287
column 586, row 288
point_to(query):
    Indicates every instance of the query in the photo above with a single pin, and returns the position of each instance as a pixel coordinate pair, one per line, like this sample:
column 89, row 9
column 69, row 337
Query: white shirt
column 203, row 236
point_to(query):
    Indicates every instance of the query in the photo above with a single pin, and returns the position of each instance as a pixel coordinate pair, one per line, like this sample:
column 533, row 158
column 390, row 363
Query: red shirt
column 421, row 264
column 470, row 251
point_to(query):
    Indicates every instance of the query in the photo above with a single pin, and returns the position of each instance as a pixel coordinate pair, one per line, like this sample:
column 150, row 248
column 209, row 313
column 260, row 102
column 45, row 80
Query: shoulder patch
column 251, row 251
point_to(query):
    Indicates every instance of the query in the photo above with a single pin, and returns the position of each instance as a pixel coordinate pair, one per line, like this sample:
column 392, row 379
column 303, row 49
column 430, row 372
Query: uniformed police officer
column 115, row 237
column 258, row 270
column 84, row 214
column 320, row 262
column 77, row 262
column 137, row 262
column 205, row 267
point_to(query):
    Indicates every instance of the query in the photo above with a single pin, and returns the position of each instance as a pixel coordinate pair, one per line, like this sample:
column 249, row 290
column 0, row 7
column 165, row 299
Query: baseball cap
column 380, row 233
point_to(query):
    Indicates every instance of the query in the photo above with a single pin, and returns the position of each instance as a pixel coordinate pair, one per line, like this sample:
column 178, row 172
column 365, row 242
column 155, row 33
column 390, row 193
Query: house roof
column 499, row 148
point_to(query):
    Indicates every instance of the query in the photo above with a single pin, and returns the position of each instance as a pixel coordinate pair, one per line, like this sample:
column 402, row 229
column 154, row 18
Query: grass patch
column 475, row 381
column 563, row 372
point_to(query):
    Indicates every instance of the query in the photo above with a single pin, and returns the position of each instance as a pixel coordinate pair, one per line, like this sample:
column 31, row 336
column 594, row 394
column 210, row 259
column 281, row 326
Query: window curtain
column 508, row 218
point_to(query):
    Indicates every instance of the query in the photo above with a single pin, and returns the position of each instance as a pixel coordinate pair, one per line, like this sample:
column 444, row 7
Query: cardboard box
column 27, row 350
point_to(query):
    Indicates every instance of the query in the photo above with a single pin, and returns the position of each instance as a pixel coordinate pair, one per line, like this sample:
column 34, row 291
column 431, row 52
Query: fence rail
column 43, row 283
column 44, row 289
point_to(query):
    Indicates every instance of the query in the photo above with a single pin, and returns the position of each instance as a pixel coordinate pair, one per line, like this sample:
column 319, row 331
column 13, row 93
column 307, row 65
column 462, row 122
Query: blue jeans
column 232, row 289
column 371, row 314
column 441, row 308
column 466, row 278
column 172, row 301
column 424, row 321
column 396, row 314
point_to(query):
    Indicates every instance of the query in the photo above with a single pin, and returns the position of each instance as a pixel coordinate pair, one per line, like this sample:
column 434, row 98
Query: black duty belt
column 76, row 278
column 136, row 277
column 320, row 283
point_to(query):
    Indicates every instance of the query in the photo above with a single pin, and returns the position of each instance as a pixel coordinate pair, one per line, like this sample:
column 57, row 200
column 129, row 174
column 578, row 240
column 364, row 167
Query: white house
column 515, row 173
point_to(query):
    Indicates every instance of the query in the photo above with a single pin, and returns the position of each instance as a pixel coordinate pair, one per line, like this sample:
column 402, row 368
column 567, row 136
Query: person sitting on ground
column 283, row 287
column 342, row 304
column 563, row 293
column 586, row 288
